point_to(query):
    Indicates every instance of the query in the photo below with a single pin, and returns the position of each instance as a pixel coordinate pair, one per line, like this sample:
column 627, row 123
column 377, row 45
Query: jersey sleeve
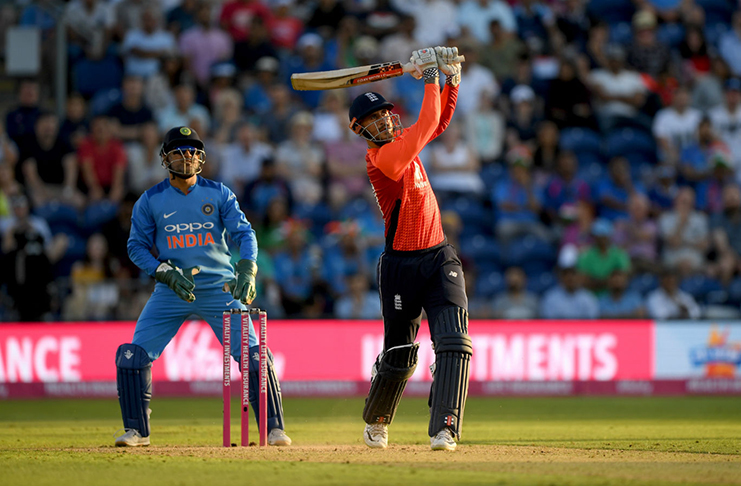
column 393, row 158
column 141, row 237
column 448, row 100
column 237, row 226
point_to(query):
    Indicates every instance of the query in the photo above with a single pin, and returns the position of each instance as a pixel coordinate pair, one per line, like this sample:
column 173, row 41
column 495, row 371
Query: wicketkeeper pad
column 275, row 398
column 453, row 350
column 134, row 381
column 390, row 374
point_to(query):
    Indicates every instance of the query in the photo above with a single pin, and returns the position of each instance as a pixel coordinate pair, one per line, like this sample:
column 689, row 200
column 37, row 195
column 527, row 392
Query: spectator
column 329, row 118
column 20, row 121
column 326, row 16
column 436, row 21
column 729, row 45
column 269, row 228
column 257, row 46
column 343, row 154
column 301, row 161
column 144, row 162
column 535, row 23
column 517, row 200
column 568, row 299
column 204, row 45
column 612, row 194
column 638, row 235
column 598, row 261
column 685, row 233
column 501, row 53
column 669, row 302
column 568, row 101
column 94, row 290
column 284, row 27
column 143, row 49
column 295, row 268
column 573, row 24
column 277, row 121
column 521, row 126
column 183, row 110
column 646, row 54
column 619, row 91
column 619, row 302
column 126, row 15
column 237, row 19
column 707, row 91
column 726, row 235
column 485, row 129
column 675, row 127
column 131, row 114
column 578, row 220
column 344, row 255
column 516, row 302
column 75, row 126
column 547, row 149
column 694, row 159
column 477, row 16
column 726, row 118
column 664, row 190
column 310, row 58
column 227, row 113
column 116, row 233
column 260, row 193
column 454, row 168
column 257, row 96
column 243, row 159
column 158, row 89
column 479, row 82
column 103, row 162
column 49, row 165
column 9, row 188
column 401, row 42
column 359, row 302
column 595, row 54
column 564, row 187
column 88, row 23
column 28, row 253
column 694, row 52
column 710, row 192
column 183, row 17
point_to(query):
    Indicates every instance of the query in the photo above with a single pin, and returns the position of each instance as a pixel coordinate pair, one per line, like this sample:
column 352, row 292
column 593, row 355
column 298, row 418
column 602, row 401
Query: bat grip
column 409, row 67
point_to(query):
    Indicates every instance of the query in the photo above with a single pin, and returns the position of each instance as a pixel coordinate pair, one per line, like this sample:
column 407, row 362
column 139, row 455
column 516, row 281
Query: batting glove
column 243, row 287
column 179, row 280
column 447, row 63
column 425, row 63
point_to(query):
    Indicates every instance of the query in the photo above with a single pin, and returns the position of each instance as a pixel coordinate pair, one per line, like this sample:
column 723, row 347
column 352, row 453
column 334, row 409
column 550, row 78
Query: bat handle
column 409, row 67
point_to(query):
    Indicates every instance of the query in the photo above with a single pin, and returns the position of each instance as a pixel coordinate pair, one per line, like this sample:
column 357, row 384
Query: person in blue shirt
column 186, row 220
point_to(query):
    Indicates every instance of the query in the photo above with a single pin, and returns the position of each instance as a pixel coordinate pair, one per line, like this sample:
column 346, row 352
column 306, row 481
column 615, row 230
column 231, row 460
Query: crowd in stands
column 592, row 169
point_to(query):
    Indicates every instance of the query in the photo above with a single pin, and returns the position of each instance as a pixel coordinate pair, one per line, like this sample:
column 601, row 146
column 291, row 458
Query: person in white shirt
column 479, row 82
column 475, row 16
column 669, row 302
column 242, row 160
column 726, row 119
column 620, row 92
column 143, row 48
column 436, row 20
column 685, row 233
column 183, row 110
column 454, row 166
column 675, row 127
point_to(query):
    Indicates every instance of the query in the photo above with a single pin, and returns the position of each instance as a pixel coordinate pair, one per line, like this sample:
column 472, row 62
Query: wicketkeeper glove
column 425, row 63
column 243, row 287
column 179, row 280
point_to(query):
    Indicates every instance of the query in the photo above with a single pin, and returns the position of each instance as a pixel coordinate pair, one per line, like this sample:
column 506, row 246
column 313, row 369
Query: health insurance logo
column 720, row 357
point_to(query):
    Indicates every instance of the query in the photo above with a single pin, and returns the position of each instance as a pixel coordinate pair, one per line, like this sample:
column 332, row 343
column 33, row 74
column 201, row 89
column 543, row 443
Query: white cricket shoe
column 278, row 437
column 131, row 438
column 443, row 441
column 376, row 436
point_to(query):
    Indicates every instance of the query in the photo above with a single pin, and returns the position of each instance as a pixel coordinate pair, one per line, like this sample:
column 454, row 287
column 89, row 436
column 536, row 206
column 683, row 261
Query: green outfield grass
column 549, row 441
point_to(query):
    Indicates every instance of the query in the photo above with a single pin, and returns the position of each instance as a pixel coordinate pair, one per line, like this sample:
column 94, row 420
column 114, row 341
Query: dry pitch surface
column 507, row 441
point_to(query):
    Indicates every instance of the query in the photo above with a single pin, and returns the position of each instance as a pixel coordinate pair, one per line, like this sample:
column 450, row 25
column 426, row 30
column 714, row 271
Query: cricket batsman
column 186, row 219
column 418, row 268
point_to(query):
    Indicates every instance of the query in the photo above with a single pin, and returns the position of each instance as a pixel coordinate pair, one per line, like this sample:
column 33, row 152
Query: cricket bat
column 344, row 78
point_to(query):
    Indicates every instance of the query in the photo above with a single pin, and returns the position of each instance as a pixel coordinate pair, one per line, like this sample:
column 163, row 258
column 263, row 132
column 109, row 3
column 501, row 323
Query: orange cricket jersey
column 411, row 214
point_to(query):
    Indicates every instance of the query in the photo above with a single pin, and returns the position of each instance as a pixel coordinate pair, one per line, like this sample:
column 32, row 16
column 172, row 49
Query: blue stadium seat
column 591, row 170
column 643, row 283
column 474, row 216
column 104, row 100
column 581, row 140
column 700, row 286
column 89, row 77
column 539, row 283
column 629, row 142
column 621, row 33
column 527, row 251
column 491, row 174
column 714, row 31
column 670, row 34
column 356, row 208
column 717, row 10
column 56, row 213
column 611, row 11
column 480, row 247
column 734, row 291
column 489, row 284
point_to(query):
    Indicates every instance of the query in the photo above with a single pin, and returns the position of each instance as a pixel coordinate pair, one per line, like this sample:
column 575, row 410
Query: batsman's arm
column 141, row 237
column 394, row 158
column 448, row 100
column 237, row 225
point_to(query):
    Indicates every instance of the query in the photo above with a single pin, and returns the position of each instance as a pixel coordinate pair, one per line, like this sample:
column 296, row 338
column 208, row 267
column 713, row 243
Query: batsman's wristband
column 430, row 74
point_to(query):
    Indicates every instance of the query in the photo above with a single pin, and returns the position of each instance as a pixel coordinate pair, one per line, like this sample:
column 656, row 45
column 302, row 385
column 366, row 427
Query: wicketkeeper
column 418, row 269
column 185, row 219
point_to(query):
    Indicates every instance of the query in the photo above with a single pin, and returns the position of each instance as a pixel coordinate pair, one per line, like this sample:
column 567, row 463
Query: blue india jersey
column 190, row 229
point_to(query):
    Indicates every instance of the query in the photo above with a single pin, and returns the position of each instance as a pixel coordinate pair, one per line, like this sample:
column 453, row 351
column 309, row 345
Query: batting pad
column 275, row 398
column 453, row 350
column 134, row 383
column 392, row 370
